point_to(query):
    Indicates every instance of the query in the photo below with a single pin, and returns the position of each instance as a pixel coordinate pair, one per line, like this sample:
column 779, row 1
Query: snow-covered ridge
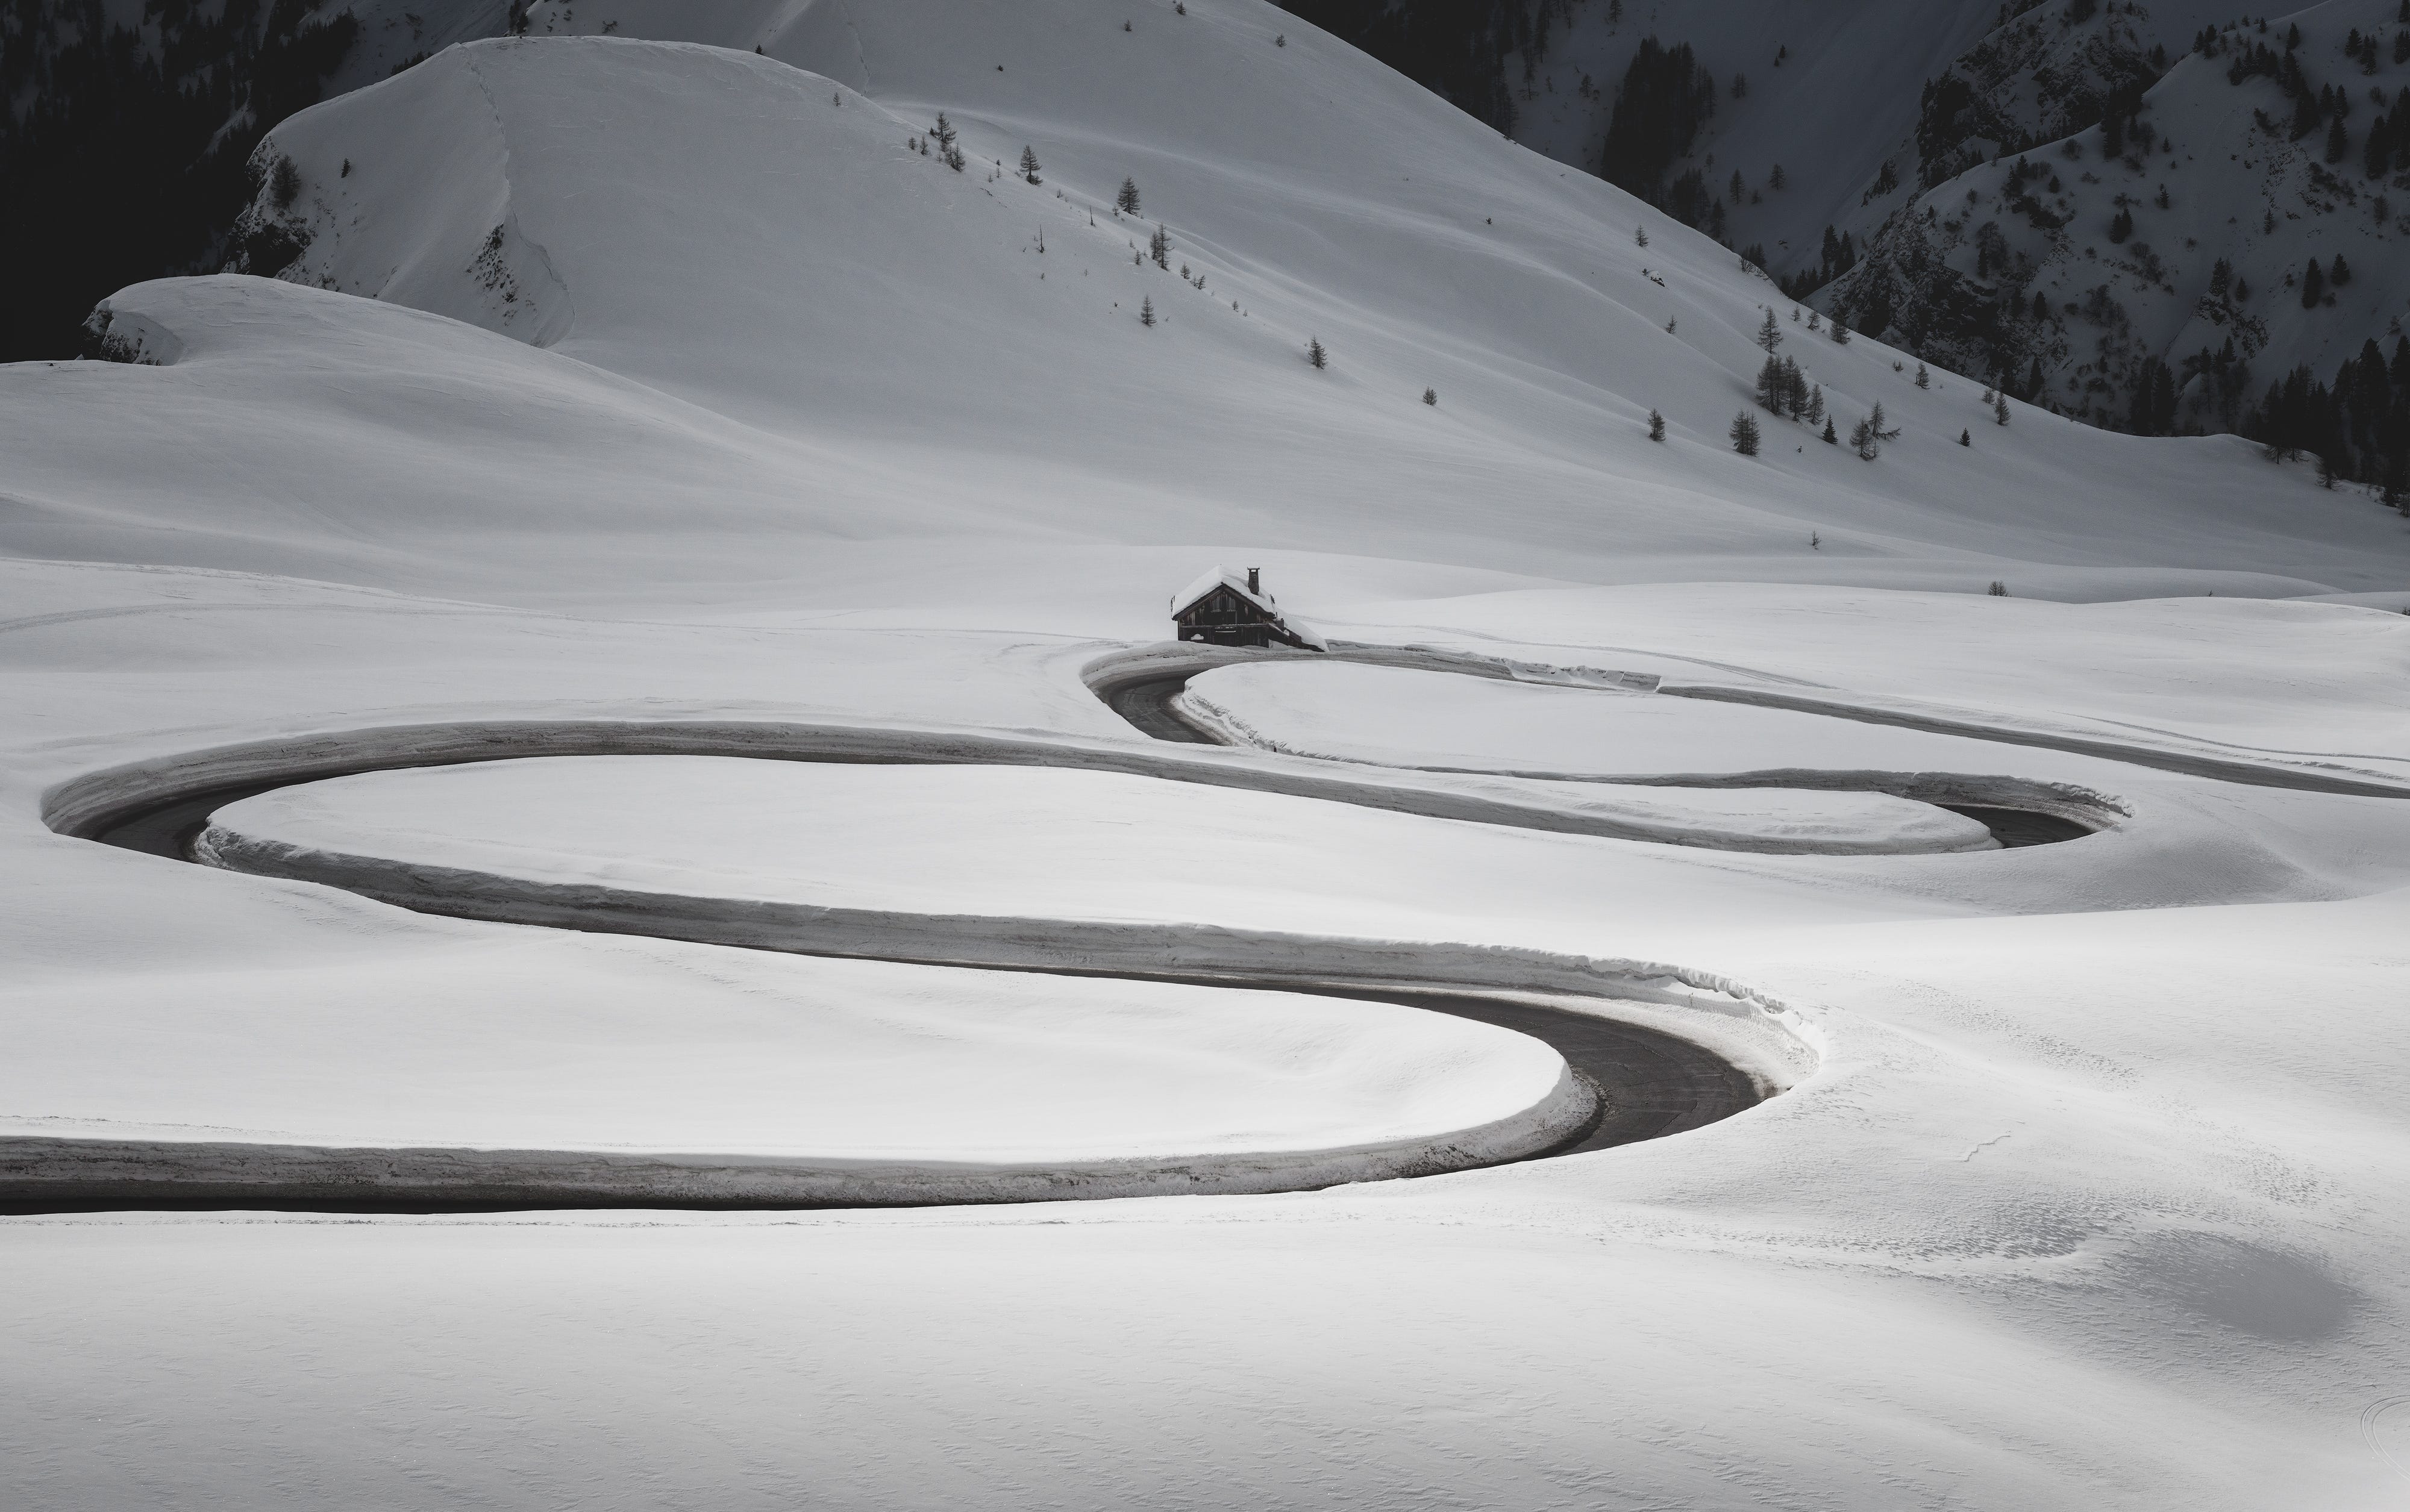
column 2179, row 240
column 857, row 341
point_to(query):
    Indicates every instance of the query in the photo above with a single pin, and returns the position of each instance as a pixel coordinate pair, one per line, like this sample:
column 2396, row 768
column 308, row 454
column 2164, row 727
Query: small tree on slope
column 1126, row 201
column 1029, row 166
column 1315, row 354
column 1769, row 335
column 1743, row 433
column 1656, row 425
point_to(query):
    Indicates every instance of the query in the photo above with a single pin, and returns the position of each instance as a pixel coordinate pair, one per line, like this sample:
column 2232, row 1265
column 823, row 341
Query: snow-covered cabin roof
column 1223, row 577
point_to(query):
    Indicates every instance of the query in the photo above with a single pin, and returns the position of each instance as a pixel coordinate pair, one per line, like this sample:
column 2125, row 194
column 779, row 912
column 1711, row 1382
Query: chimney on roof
column 1254, row 580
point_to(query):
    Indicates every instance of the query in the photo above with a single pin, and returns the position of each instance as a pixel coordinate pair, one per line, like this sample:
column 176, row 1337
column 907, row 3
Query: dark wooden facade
column 1228, row 614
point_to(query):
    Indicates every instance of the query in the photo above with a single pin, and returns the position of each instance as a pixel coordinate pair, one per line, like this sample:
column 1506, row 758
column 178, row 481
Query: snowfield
column 2086, row 1179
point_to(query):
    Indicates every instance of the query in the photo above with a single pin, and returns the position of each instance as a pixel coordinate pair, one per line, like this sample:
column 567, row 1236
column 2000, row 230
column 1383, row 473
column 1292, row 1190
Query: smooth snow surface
column 652, row 1046
column 2096, row 1198
column 988, row 841
column 1375, row 714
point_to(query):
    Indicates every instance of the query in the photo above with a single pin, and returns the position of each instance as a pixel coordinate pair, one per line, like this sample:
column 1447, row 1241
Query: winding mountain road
column 1633, row 1080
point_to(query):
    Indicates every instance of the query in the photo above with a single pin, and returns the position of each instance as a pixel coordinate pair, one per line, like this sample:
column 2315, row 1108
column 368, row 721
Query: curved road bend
column 1146, row 703
column 1650, row 1083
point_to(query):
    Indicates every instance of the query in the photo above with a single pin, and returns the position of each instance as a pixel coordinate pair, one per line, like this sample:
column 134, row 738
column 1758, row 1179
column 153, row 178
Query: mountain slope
column 851, row 324
column 125, row 129
column 2171, row 262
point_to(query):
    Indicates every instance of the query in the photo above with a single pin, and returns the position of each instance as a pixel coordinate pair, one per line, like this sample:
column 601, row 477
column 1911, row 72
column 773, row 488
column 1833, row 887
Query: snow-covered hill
column 1840, row 97
column 2155, row 274
column 785, row 322
column 2231, row 146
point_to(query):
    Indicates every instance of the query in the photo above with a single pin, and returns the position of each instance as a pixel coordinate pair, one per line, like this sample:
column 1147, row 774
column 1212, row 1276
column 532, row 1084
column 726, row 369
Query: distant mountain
column 127, row 131
column 1855, row 153
column 2242, row 219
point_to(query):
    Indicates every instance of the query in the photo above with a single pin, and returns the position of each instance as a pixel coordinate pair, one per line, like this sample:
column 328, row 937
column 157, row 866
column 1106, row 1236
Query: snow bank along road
column 1624, row 1081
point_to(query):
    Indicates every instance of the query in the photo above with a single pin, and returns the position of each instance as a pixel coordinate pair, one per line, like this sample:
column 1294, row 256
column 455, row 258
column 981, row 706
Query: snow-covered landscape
column 621, row 890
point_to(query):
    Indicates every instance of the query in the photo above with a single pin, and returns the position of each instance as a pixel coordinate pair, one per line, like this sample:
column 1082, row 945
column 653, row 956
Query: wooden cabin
column 1223, row 608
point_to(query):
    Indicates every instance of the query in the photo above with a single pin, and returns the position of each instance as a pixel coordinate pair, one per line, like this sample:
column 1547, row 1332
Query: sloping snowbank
column 617, row 1070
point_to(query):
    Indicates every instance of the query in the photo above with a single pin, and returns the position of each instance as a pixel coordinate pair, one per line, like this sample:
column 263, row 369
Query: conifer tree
column 1816, row 407
column 1146, row 313
column 1656, row 425
column 1159, row 247
column 1862, row 436
column 1315, row 354
column 1964, row 438
column 1431, row 395
column 1831, row 439
column 2313, row 284
column 1999, row 409
column 1029, row 166
column 1126, row 201
column 1875, row 424
column 1923, row 379
column 1743, row 433
column 1840, row 329
column 1769, row 335
column 1640, row 235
